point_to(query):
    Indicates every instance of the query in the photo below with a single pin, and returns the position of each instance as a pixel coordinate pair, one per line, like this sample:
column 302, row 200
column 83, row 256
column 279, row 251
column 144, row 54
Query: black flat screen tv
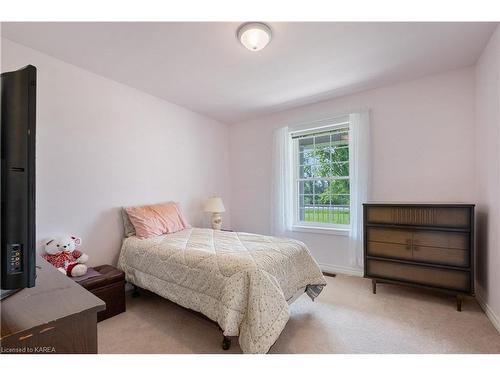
column 18, row 107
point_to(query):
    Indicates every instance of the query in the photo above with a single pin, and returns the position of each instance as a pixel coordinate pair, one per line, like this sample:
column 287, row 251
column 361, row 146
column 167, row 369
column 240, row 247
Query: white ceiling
column 202, row 66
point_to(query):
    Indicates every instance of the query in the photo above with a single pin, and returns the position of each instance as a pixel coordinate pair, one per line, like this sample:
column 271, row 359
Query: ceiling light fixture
column 254, row 35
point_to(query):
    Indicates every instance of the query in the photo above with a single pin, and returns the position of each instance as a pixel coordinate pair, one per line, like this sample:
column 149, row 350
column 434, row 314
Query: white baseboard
column 351, row 271
column 495, row 320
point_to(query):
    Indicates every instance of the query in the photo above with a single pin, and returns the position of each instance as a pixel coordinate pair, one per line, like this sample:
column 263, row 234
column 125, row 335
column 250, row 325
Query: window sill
column 321, row 230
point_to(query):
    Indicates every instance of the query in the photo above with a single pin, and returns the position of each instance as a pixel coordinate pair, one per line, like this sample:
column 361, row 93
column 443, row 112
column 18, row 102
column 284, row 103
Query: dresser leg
column 374, row 286
column 459, row 302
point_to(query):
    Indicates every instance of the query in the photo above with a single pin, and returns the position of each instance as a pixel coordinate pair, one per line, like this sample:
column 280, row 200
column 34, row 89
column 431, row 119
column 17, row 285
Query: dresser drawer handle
column 408, row 244
column 25, row 337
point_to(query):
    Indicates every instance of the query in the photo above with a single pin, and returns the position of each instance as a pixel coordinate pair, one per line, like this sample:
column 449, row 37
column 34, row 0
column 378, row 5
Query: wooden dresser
column 426, row 245
column 56, row 316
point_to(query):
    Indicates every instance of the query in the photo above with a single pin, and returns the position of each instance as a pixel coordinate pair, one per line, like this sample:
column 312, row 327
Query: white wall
column 422, row 150
column 488, row 177
column 102, row 145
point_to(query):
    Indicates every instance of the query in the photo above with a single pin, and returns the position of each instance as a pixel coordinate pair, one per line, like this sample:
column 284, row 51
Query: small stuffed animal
column 61, row 253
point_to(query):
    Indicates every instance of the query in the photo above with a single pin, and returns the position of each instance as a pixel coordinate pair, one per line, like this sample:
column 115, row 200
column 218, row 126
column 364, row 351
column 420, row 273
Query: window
column 322, row 176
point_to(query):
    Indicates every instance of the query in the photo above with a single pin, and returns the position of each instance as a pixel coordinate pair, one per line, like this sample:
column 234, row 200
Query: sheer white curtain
column 359, row 160
column 282, row 185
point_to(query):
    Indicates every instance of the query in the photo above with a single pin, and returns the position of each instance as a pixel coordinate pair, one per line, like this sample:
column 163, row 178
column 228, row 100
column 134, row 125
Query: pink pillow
column 156, row 219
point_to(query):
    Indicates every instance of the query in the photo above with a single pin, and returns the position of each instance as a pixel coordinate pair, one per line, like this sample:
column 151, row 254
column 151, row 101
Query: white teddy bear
column 61, row 253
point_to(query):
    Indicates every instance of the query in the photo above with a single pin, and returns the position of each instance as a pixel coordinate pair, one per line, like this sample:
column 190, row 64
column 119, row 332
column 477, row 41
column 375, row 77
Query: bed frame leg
column 459, row 302
column 136, row 292
column 374, row 286
column 226, row 343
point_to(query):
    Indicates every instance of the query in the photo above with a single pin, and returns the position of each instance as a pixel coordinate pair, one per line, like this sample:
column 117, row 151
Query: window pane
column 306, row 144
column 302, row 214
column 340, row 169
column 305, row 187
column 306, row 200
column 320, row 186
column 340, row 139
column 316, row 200
column 322, row 141
column 319, row 214
column 321, row 193
column 324, row 170
column 316, row 169
column 307, row 157
column 305, row 171
column 339, row 187
column 323, row 159
column 341, row 215
column 340, row 154
column 322, row 213
column 309, row 214
column 340, row 199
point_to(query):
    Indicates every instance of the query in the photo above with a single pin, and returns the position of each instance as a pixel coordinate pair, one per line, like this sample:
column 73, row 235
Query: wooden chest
column 427, row 245
column 109, row 287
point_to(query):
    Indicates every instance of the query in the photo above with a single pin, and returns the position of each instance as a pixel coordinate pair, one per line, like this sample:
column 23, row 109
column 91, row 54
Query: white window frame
column 314, row 227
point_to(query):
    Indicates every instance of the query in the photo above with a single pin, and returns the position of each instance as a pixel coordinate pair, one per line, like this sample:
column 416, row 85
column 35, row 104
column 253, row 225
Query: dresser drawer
column 453, row 240
column 429, row 276
column 449, row 248
column 389, row 250
column 389, row 243
column 441, row 255
column 397, row 236
column 454, row 217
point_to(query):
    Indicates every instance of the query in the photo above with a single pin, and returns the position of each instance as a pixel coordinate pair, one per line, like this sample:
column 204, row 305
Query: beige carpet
column 346, row 318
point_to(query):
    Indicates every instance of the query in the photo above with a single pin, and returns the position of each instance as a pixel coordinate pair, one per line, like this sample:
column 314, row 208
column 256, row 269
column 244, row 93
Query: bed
column 244, row 282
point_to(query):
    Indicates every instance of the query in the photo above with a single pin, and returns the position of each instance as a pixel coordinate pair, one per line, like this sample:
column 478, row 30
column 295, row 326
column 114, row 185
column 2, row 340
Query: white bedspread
column 240, row 280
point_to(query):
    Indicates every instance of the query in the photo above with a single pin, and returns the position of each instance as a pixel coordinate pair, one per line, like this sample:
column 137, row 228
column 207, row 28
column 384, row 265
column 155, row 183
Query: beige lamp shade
column 214, row 204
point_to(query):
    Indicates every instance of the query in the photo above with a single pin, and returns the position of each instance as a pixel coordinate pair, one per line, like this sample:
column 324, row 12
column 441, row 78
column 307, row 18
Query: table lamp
column 215, row 206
